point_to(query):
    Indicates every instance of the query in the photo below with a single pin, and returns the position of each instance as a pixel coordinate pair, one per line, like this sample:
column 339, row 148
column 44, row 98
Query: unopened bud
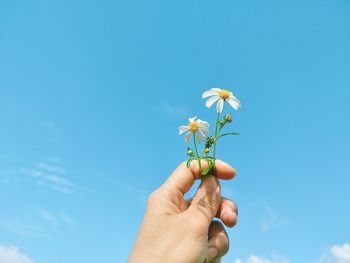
column 189, row 152
column 228, row 118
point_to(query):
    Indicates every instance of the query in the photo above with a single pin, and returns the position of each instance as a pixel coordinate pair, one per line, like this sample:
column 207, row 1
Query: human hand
column 178, row 231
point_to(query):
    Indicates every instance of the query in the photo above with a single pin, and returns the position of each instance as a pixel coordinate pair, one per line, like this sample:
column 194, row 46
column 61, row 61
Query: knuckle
column 153, row 198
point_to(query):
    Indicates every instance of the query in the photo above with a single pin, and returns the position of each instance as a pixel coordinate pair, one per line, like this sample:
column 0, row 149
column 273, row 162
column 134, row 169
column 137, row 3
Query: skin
column 175, row 230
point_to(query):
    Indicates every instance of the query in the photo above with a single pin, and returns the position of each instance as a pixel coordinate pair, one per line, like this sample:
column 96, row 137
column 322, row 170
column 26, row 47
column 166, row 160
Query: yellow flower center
column 224, row 94
column 193, row 126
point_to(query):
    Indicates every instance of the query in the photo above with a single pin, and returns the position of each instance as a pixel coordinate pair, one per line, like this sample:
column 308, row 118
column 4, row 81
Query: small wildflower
column 197, row 127
column 220, row 95
column 200, row 130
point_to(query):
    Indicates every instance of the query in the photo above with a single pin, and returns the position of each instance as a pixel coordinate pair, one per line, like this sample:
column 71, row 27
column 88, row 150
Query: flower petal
column 200, row 136
column 203, row 123
column 188, row 136
column 234, row 102
column 211, row 101
column 182, row 129
column 204, row 131
column 192, row 119
column 220, row 105
column 211, row 92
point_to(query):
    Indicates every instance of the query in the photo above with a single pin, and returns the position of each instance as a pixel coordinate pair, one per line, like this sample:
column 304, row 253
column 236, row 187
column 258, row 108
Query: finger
column 227, row 212
column 205, row 202
column 183, row 178
column 218, row 242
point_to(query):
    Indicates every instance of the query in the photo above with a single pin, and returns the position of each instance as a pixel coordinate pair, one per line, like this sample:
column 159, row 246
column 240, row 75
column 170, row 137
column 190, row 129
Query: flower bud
column 209, row 141
column 206, row 150
column 228, row 118
column 189, row 152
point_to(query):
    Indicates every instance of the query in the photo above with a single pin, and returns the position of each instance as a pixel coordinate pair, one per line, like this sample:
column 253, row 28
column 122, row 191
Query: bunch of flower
column 200, row 129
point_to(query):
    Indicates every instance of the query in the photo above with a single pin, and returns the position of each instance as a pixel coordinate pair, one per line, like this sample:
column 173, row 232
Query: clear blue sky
column 92, row 94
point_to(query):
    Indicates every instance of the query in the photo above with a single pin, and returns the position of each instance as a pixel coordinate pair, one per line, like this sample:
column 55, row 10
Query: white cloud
column 50, row 176
column 11, row 254
column 47, row 216
column 49, row 167
column 337, row 254
column 55, row 219
column 23, row 229
column 334, row 254
column 257, row 259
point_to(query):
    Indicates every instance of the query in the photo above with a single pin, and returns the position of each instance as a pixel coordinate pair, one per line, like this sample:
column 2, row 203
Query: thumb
column 205, row 203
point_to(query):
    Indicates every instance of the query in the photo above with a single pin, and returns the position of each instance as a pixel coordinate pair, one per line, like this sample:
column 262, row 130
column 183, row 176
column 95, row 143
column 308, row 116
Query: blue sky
column 92, row 94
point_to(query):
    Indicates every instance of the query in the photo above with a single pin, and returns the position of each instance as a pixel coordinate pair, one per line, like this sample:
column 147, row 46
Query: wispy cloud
column 47, row 216
column 11, row 254
column 23, row 229
column 333, row 254
column 37, row 223
column 258, row 259
column 176, row 110
column 55, row 219
column 51, row 176
column 272, row 220
column 49, row 167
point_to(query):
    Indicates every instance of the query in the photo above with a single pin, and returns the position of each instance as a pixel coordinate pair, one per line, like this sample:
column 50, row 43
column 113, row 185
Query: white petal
column 182, row 129
column 188, row 136
column 234, row 102
column 200, row 136
column 211, row 92
column 192, row 119
column 204, row 131
column 220, row 105
column 211, row 101
column 203, row 123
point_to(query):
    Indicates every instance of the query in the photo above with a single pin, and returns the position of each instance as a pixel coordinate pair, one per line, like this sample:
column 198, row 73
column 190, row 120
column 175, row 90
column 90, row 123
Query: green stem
column 216, row 135
column 216, row 132
column 198, row 158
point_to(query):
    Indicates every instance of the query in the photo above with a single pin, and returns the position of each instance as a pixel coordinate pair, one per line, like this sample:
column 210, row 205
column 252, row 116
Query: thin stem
column 215, row 136
column 216, row 132
column 198, row 158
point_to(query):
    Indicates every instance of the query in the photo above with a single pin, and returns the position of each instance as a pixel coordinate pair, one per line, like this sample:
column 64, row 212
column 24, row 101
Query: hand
column 178, row 231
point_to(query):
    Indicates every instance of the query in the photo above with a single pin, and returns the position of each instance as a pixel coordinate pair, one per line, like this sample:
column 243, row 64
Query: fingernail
column 231, row 211
column 213, row 252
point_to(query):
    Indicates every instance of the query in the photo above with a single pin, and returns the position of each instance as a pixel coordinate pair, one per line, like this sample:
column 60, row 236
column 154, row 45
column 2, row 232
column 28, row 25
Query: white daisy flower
column 220, row 95
column 198, row 127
